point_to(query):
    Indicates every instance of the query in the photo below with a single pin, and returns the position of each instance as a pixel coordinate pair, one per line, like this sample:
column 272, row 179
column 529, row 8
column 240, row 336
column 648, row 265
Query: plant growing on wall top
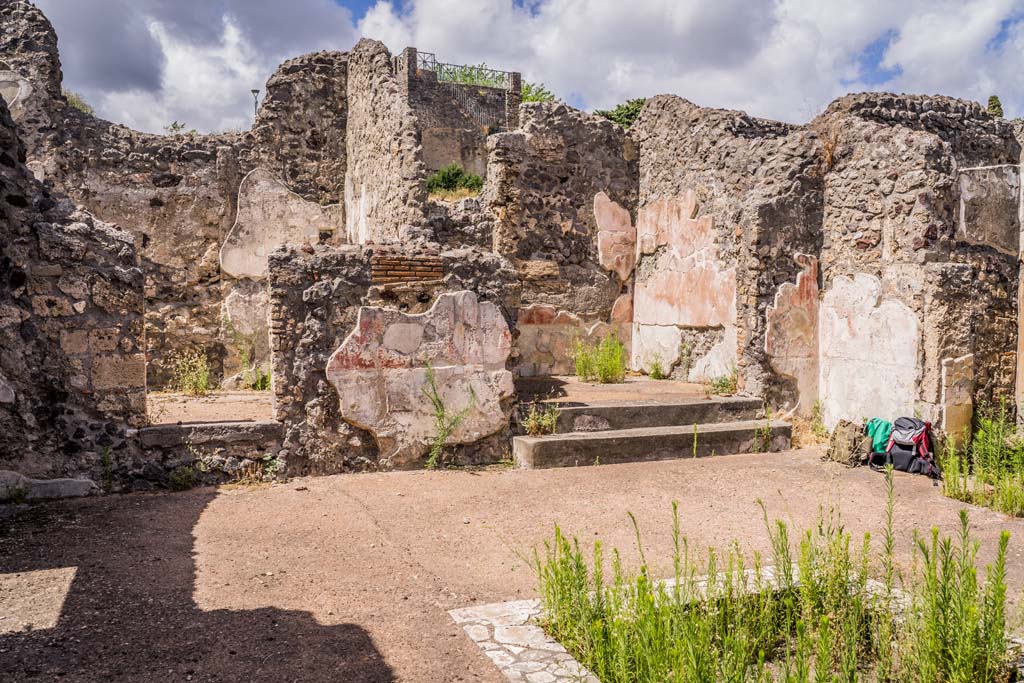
column 995, row 107
column 452, row 182
column 624, row 114
column 78, row 102
column 536, row 92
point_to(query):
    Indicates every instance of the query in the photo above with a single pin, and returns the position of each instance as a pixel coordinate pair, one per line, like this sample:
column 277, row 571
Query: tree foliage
column 536, row 92
column 453, row 177
column 624, row 114
column 995, row 107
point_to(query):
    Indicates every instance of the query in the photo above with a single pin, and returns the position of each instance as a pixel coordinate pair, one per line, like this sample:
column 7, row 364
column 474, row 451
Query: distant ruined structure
column 866, row 263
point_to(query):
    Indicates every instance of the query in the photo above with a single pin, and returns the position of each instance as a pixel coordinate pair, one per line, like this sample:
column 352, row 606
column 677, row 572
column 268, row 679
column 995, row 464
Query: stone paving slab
column 508, row 634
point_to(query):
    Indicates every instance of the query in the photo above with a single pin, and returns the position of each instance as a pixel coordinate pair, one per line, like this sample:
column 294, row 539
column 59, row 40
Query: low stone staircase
column 608, row 433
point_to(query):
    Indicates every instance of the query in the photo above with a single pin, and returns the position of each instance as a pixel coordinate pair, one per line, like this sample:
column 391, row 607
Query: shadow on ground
column 130, row 616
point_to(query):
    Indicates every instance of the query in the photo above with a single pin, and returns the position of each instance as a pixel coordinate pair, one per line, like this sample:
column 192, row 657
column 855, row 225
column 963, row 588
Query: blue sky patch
column 869, row 62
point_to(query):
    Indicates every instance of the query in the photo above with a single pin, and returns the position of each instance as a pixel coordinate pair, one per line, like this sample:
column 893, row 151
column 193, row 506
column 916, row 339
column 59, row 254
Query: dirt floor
column 218, row 406
column 349, row 578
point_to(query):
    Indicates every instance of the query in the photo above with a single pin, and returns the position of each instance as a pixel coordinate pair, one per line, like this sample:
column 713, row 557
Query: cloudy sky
column 146, row 63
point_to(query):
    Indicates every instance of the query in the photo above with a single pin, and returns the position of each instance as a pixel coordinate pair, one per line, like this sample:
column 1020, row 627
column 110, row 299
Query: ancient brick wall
column 385, row 182
column 72, row 371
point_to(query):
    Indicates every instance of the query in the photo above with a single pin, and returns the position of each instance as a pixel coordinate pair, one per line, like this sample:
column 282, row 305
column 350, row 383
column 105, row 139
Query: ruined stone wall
column 552, row 185
column 72, row 370
column 726, row 204
column 316, row 295
column 385, row 182
column 179, row 195
column 921, row 231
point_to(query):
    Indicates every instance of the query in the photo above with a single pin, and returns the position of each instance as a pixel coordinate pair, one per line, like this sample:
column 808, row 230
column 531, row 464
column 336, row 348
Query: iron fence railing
column 480, row 75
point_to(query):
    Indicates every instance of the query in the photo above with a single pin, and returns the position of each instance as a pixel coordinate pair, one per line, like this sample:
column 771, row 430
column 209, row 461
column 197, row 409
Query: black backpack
column 909, row 448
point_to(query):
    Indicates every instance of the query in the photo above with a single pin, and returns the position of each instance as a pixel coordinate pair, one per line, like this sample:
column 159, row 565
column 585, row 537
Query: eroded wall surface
column 385, row 190
column 72, row 370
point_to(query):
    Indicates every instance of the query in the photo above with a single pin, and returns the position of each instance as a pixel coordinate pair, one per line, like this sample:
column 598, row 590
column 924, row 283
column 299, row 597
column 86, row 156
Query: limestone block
column 380, row 373
column 616, row 237
column 990, row 207
column 269, row 215
column 868, row 352
column 958, row 397
column 74, row 342
column 14, row 485
column 791, row 340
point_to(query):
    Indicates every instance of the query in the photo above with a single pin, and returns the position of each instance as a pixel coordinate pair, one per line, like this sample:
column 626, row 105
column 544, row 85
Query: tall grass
column 990, row 470
column 816, row 615
column 603, row 362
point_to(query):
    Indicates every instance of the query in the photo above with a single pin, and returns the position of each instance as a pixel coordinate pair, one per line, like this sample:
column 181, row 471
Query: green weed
column 725, row 385
column 445, row 423
column 603, row 362
column 656, row 370
column 816, row 616
column 541, row 420
column 191, row 372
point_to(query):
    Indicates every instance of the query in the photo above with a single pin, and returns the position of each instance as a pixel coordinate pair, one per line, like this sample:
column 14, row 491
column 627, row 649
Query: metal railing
column 480, row 75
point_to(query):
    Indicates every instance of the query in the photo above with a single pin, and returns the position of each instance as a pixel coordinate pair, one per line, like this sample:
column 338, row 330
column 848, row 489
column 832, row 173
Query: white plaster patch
column 15, row 89
column 719, row 361
column 655, row 343
column 868, row 350
column 270, row 215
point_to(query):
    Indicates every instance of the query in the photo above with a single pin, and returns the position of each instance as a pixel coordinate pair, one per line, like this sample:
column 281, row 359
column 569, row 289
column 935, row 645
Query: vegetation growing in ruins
column 536, row 92
column 259, row 471
column 724, row 385
column 178, row 128
column 656, row 370
column 445, row 423
column 817, row 615
column 182, row 479
column 624, row 114
column 995, row 107
column 603, row 362
column 541, row 420
column 253, row 376
column 452, row 182
column 990, row 470
column 191, row 372
column 78, row 102
column 471, row 74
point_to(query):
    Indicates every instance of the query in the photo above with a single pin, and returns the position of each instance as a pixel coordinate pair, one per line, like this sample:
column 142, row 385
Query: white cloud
column 782, row 59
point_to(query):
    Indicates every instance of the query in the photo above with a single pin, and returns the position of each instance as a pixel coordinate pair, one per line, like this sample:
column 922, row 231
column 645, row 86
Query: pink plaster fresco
column 379, row 372
column 690, row 286
column 791, row 340
column 616, row 237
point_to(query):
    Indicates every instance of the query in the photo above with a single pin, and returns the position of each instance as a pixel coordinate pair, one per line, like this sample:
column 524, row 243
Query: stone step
column 598, row 417
column 649, row 443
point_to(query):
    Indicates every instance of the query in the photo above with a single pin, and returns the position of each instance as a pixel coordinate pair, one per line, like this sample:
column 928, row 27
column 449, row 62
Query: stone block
column 118, row 372
column 74, row 342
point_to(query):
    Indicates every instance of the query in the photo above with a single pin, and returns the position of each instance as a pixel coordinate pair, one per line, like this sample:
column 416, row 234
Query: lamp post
column 255, row 101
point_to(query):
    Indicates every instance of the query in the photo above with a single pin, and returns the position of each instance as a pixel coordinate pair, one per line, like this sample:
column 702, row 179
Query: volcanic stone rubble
column 864, row 263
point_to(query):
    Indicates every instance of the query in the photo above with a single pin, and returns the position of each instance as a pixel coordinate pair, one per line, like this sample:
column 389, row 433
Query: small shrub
column 178, row 128
column 995, row 107
column 182, row 478
column 624, row 114
column 260, row 471
column 656, row 370
column 257, row 380
column 541, row 420
column 78, row 102
column 453, row 178
column 444, row 422
column 726, row 385
column 536, row 92
column 191, row 374
column 604, row 362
